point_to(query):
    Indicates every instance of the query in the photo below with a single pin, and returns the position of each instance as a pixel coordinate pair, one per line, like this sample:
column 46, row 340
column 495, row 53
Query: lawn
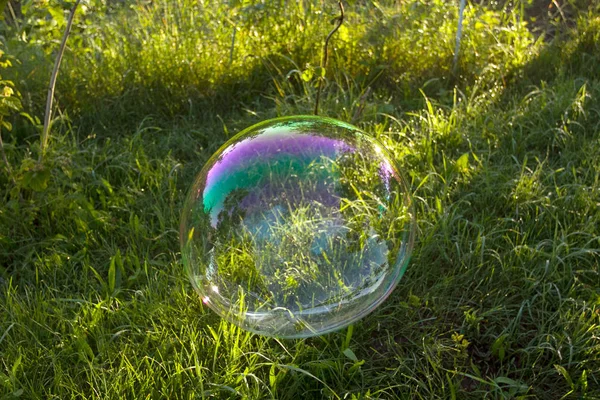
column 501, row 299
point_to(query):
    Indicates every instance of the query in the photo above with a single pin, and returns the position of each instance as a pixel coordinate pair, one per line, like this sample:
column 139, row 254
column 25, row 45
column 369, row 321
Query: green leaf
column 36, row 179
column 506, row 381
column 33, row 120
column 565, row 374
column 107, row 185
column 516, row 387
column 320, row 71
column 7, row 91
column 111, row 276
column 13, row 103
column 462, row 164
column 346, row 342
column 58, row 15
column 356, row 366
column 307, row 74
column 272, row 376
column 114, row 272
column 97, row 275
column 350, row 354
column 499, row 347
column 414, row 301
column 583, row 383
column 16, row 365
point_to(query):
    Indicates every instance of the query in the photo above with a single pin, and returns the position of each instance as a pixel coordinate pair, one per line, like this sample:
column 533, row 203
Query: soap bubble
column 297, row 227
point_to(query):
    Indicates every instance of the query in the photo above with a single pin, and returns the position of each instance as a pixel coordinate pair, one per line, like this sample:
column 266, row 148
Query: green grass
column 502, row 297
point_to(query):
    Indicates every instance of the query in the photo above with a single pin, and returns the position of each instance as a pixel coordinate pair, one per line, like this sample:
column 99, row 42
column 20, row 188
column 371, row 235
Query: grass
column 501, row 299
column 314, row 231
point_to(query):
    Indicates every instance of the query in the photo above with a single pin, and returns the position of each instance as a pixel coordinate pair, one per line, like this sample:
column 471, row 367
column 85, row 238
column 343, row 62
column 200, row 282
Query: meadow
column 501, row 299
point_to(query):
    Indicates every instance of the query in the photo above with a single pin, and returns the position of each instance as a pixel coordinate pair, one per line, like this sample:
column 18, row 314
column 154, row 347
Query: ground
column 501, row 298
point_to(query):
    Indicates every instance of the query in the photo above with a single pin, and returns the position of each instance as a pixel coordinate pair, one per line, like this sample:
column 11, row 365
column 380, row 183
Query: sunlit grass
column 500, row 299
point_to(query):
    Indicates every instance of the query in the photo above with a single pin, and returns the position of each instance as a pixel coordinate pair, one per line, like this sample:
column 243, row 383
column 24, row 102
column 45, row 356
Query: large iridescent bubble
column 297, row 227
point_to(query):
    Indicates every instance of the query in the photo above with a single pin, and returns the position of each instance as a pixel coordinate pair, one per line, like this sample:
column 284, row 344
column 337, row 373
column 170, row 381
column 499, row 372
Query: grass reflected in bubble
column 297, row 226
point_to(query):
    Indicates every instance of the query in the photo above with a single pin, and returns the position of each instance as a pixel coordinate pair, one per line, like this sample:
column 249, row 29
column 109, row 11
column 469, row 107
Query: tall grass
column 501, row 298
column 181, row 58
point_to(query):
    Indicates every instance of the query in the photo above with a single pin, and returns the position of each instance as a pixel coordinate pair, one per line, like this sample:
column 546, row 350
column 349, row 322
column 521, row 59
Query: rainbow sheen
column 297, row 227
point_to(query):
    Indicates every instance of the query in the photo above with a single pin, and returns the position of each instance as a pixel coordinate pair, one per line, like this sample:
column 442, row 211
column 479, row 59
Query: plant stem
column 232, row 46
column 13, row 15
column 361, row 104
column 324, row 61
column 461, row 11
column 8, row 168
column 50, row 98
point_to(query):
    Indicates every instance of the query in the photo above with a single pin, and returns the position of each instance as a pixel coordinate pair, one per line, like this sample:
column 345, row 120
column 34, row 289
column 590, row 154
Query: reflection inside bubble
column 297, row 227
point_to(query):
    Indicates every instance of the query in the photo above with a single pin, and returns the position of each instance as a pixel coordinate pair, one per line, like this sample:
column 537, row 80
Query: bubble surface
column 297, row 227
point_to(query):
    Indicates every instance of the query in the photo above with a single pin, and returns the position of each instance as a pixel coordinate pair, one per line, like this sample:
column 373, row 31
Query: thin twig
column 324, row 61
column 50, row 97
